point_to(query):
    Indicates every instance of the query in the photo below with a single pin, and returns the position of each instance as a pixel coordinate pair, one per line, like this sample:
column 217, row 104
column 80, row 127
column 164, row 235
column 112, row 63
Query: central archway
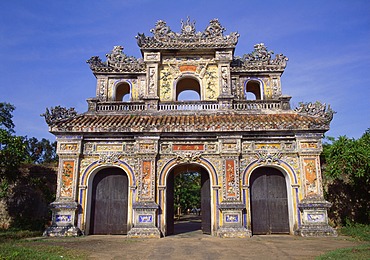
column 203, row 213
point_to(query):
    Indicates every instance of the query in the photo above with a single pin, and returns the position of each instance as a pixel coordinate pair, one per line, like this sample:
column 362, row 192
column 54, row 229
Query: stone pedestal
column 144, row 221
column 63, row 219
column 232, row 221
column 315, row 218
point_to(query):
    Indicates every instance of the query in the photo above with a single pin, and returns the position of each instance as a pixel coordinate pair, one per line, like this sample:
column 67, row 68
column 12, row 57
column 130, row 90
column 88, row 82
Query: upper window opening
column 253, row 90
column 187, row 89
column 123, row 92
column 188, row 95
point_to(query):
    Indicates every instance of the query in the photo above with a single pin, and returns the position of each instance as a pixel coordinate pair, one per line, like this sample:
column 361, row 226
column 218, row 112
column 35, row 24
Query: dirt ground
column 195, row 245
column 190, row 243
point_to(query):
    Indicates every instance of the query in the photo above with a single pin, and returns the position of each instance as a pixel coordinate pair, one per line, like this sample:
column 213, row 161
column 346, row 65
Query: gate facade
column 189, row 101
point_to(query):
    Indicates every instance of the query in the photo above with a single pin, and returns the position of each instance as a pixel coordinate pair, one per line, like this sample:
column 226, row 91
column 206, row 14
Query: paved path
column 194, row 245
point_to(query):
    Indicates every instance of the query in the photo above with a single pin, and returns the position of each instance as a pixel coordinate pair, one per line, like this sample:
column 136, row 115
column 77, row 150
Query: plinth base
column 316, row 231
column 68, row 231
column 144, row 232
column 239, row 232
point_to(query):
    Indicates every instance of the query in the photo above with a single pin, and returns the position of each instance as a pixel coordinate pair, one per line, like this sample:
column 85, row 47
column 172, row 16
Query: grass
column 358, row 232
column 14, row 246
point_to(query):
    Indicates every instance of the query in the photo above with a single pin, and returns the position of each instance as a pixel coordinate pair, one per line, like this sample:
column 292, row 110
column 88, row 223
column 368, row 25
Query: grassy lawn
column 358, row 232
column 13, row 245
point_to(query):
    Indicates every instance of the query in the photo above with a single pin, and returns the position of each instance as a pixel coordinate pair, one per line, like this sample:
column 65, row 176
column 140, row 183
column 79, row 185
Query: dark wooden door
column 109, row 202
column 170, row 212
column 206, row 203
column 269, row 203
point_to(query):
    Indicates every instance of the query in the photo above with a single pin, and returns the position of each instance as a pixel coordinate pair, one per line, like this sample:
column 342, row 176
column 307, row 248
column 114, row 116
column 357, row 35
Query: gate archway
column 205, row 194
column 269, row 202
column 109, row 202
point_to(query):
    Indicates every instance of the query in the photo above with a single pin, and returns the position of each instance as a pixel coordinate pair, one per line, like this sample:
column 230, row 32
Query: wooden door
column 170, row 212
column 109, row 202
column 206, row 203
column 269, row 203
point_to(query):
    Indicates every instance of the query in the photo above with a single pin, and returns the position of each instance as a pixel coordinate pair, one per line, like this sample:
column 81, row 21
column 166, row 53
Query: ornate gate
column 109, row 202
column 269, row 203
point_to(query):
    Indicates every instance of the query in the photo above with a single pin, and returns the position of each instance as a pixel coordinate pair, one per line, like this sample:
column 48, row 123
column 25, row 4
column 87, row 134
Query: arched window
column 123, row 92
column 187, row 89
column 253, row 90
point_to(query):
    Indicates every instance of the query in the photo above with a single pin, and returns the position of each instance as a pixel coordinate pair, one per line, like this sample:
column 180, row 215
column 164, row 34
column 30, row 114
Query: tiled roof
column 190, row 123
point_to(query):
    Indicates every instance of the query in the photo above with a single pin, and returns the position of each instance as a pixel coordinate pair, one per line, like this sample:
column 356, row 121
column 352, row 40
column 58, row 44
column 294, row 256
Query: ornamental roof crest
column 164, row 38
column 116, row 61
column 316, row 109
column 260, row 59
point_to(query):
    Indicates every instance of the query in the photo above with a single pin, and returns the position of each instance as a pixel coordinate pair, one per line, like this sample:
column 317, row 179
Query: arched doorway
column 205, row 200
column 269, row 202
column 109, row 202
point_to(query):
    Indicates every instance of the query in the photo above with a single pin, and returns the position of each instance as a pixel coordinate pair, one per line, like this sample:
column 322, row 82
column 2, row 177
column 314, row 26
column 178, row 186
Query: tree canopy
column 16, row 150
column 187, row 190
column 346, row 169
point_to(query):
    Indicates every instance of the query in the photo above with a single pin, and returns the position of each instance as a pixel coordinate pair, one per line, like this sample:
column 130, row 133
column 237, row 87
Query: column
column 313, row 207
column 231, row 206
column 225, row 98
column 65, row 207
column 151, row 98
column 145, row 209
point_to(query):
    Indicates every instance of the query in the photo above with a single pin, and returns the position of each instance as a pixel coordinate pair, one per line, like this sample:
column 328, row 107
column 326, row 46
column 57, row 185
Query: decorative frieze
column 152, row 56
column 188, row 147
column 265, row 157
column 66, row 148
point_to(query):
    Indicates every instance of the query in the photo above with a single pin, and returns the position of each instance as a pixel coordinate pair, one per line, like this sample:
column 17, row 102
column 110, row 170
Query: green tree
column 6, row 122
column 346, row 168
column 187, row 191
column 12, row 149
column 41, row 152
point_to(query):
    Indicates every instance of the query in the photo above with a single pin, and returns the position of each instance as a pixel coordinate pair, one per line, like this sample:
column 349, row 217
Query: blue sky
column 44, row 46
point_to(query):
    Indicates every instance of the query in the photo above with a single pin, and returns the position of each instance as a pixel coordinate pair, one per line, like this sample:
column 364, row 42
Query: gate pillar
column 231, row 206
column 313, row 207
column 145, row 209
column 65, row 207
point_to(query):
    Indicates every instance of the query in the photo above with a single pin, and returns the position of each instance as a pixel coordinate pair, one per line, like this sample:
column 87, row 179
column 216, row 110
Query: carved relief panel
column 311, row 176
column 230, row 180
column 146, row 179
column 229, row 145
column 152, row 81
column 67, row 178
column 102, row 88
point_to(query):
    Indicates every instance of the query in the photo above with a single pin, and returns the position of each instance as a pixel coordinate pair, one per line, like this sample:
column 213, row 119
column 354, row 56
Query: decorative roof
column 259, row 60
column 190, row 122
column 117, row 61
column 164, row 38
